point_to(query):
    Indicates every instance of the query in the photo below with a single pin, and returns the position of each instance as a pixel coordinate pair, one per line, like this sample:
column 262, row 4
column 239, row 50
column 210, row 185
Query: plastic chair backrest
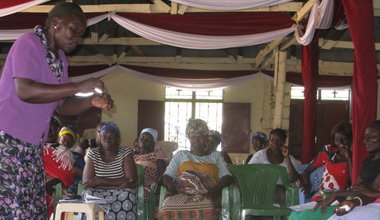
column 58, row 193
column 257, row 183
column 141, row 174
column 141, row 208
column 168, row 147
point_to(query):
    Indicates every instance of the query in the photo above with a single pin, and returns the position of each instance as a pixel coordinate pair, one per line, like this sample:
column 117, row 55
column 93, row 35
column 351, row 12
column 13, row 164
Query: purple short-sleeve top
column 27, row 122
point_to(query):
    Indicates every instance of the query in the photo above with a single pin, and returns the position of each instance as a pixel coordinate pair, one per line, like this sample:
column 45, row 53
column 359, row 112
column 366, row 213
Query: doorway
column 329, row 113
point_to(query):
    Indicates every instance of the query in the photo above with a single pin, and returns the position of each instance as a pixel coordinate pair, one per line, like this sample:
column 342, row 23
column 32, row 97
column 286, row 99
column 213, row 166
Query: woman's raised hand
column 103, row 101
column 285, row 151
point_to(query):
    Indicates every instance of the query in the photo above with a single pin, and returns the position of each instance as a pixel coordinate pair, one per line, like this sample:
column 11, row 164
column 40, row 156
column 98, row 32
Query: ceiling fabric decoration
column 26, row 23
column 13, row 6
column 228, row 4
column 194, row 41
column 200, row 79
column 215, row 24
column 321, row 17
column 232, row 32
column 198, row 84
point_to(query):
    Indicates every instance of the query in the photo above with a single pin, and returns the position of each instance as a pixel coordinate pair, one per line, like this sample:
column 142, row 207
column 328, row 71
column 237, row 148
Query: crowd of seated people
column 195, row 178
column 362, row 200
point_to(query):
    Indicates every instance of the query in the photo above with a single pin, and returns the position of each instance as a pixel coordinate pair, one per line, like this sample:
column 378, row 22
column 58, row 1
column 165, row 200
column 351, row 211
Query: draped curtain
column 310, row 57
column 364, row 85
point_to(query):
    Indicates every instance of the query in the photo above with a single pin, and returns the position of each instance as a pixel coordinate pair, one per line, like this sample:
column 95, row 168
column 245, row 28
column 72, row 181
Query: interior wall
column 127, row 89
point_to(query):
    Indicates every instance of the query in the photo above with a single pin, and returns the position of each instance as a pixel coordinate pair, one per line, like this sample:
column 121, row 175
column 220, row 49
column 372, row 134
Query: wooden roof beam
column 304, row 11
column 162, row 6
column 268, row 49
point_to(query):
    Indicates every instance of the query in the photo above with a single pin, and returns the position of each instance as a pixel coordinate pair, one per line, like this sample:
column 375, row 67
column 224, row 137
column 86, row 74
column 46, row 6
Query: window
column 182, row 104
column 297, row 92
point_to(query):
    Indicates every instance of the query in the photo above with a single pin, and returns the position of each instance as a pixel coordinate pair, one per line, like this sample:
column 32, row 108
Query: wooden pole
column 279, row 82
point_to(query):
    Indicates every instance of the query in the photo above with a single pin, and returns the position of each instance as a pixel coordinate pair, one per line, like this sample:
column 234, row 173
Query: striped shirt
column 110, row 170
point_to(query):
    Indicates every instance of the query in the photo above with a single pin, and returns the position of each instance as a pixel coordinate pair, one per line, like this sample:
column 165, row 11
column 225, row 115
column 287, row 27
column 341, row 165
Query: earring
column 55, row 27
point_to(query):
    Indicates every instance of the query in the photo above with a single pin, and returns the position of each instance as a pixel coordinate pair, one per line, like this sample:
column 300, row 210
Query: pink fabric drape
column 364, row 85
column 309, row 59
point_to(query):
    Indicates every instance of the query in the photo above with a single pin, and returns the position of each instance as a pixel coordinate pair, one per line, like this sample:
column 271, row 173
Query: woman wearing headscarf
column 215, row 138
column 110, row 173
column 194, row 179
column 153, row 161
column 259, row 141
column 59, row 164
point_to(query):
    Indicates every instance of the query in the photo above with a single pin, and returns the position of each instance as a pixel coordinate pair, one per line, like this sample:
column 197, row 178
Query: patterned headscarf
column 216, row 134
column 69, row 131
column 196, row 125
column 109, row 126
column 261, row 136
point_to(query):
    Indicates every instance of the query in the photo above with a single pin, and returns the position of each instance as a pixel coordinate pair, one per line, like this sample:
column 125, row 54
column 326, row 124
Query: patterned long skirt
column 123, row 202
column 22, row 181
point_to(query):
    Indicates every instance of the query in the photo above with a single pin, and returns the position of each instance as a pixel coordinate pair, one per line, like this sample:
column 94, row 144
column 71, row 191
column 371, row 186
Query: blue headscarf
column 109, row 126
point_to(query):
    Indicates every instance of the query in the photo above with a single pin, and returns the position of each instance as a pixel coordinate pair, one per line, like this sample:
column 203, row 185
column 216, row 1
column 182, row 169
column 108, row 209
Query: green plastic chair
column 152, row 201
column 141, row 207
column 254, row 190
column 57, row 195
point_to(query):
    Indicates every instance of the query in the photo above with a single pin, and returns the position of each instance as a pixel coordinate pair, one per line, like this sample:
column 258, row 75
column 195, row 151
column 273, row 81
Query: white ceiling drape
column 19, row 7
column 216, row 83
column 320, row 17
column 177, row 39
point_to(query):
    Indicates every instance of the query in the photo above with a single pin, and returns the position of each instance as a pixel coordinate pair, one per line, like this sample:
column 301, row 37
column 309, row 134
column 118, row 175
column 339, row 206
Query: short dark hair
column 375, row 125
column 344, row 128
column 64, row 10
column 279, row 132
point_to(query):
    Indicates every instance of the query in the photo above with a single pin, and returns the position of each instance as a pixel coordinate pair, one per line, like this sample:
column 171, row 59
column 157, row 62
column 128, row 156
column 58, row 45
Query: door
column 329, row 113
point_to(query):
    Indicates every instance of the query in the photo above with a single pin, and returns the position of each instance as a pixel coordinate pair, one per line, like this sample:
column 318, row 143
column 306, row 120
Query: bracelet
column 360, row 200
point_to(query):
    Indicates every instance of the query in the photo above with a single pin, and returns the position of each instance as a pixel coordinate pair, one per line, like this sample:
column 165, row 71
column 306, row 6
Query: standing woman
column 110, row 173
column 34, row 83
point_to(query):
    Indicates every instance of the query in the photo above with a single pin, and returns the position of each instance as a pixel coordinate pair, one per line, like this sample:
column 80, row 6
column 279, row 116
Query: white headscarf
column 152, row 132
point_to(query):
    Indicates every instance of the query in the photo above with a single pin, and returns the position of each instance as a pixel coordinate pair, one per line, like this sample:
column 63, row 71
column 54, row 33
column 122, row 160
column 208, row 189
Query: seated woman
column 337, row 161
column 277, row 153
column 215, row 138
column 365, row 192
column 59, row 164
column 153, row 161
column 110, row 173
column 259, row 141
column 194, row 179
